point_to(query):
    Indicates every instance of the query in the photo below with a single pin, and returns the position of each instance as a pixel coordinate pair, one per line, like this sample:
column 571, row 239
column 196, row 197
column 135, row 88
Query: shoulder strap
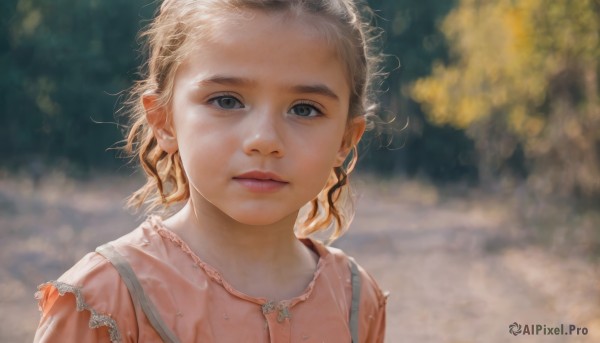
column 137, row 292
column 355, row 280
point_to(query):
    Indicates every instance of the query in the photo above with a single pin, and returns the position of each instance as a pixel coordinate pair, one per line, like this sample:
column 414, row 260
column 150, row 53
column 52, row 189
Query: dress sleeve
column 372, row 309
column 89, row 303
column 376, row 329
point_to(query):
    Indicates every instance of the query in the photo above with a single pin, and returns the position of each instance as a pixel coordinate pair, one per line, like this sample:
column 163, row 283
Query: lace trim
column 156, row 223
column 96, row 319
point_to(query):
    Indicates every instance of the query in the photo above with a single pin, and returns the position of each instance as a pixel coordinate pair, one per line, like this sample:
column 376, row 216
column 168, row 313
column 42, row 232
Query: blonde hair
column 168, row 41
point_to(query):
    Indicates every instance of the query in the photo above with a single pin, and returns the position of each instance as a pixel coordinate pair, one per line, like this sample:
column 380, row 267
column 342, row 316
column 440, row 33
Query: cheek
column 204, row 152
column 318, row 158
column 207, row 153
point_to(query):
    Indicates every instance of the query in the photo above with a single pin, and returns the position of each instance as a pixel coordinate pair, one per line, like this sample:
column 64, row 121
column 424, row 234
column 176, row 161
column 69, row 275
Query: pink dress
column 90, row 302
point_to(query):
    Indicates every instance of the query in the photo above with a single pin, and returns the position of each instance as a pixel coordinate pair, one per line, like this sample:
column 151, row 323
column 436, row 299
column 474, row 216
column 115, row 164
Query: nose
column 263, row 134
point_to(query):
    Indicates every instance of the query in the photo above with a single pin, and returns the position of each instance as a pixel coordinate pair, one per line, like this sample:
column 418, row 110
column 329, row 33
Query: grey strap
column 355, row 280
column 137, row 292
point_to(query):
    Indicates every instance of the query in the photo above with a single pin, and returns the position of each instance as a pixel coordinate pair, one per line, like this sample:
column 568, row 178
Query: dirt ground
column 459, row 266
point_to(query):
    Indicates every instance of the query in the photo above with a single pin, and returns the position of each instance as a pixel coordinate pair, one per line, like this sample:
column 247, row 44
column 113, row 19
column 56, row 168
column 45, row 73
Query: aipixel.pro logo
column 539, row 329
column 514, row 328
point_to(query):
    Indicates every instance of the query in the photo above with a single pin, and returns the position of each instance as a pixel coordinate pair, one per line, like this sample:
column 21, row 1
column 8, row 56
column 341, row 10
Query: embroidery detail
column 283, row 310
column 96, row 319
column 268, row 307
column 283, row 313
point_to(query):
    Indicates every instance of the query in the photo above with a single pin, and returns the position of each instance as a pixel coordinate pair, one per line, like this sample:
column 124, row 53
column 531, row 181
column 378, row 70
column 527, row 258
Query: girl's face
column 259, row 113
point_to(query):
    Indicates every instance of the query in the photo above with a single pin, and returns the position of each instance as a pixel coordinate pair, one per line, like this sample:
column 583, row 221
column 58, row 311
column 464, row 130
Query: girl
column 249, row 111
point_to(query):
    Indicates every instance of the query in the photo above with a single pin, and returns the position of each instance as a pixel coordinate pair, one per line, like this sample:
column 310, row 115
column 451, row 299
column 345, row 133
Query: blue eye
column 305, row 110
column 226, row 102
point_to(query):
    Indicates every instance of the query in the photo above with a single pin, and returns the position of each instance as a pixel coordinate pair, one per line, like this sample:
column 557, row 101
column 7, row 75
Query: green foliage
column 412, row 38
column 62, row 63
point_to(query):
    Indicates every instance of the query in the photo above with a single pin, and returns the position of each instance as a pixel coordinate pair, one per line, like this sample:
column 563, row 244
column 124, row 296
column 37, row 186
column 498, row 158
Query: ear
column 354, row 132
column 159, row 122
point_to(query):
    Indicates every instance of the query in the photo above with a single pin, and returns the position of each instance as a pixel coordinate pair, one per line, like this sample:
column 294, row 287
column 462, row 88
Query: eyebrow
column 226, row 80
column 318, row 89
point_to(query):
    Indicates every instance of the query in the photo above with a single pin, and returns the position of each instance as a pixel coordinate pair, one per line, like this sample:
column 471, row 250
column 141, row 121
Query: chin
column 253, row 221
column 264, row 219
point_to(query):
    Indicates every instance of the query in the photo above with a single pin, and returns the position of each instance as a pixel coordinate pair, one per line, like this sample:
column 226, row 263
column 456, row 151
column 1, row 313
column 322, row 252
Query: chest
column 197, row 305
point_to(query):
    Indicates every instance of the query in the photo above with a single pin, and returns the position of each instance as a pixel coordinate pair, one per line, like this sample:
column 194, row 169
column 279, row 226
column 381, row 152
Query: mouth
column 260, row 182
column 260, row 176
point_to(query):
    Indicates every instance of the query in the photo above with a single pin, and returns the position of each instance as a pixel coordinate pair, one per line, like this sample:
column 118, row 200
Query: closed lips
column 260, row 176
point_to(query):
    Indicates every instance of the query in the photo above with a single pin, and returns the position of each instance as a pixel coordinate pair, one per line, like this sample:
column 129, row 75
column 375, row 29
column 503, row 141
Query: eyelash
column 215, row 101
column 311, row 105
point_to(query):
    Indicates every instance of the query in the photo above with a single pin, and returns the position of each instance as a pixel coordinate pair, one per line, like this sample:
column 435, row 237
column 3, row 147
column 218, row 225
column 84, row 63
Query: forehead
column 253, row 43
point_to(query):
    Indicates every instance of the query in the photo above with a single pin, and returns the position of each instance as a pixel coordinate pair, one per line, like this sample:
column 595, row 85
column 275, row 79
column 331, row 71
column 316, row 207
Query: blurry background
column 478, row 206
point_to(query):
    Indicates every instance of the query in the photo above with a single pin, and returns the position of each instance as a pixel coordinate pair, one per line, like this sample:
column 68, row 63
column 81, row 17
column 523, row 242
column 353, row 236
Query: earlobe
column 356, row 128
column 158, row 119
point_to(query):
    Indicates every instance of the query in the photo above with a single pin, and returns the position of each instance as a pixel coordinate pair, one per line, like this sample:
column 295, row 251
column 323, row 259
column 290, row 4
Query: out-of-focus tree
column 413, row 41
column 523, row 80
column 62, row 63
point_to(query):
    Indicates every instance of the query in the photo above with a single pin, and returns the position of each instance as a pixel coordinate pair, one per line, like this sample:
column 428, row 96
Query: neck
column 229, row 245
column 263, row 261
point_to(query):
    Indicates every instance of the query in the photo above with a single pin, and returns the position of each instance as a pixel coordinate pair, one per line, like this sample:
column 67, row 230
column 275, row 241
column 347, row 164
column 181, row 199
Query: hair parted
column 179, row 24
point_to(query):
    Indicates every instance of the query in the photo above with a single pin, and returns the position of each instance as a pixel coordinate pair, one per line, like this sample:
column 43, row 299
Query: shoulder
column 91, row 295
column 145, row 249
column 371, row 294
column 94, row 270
column 372, row 302
column 339, row 263
column 87, row 297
